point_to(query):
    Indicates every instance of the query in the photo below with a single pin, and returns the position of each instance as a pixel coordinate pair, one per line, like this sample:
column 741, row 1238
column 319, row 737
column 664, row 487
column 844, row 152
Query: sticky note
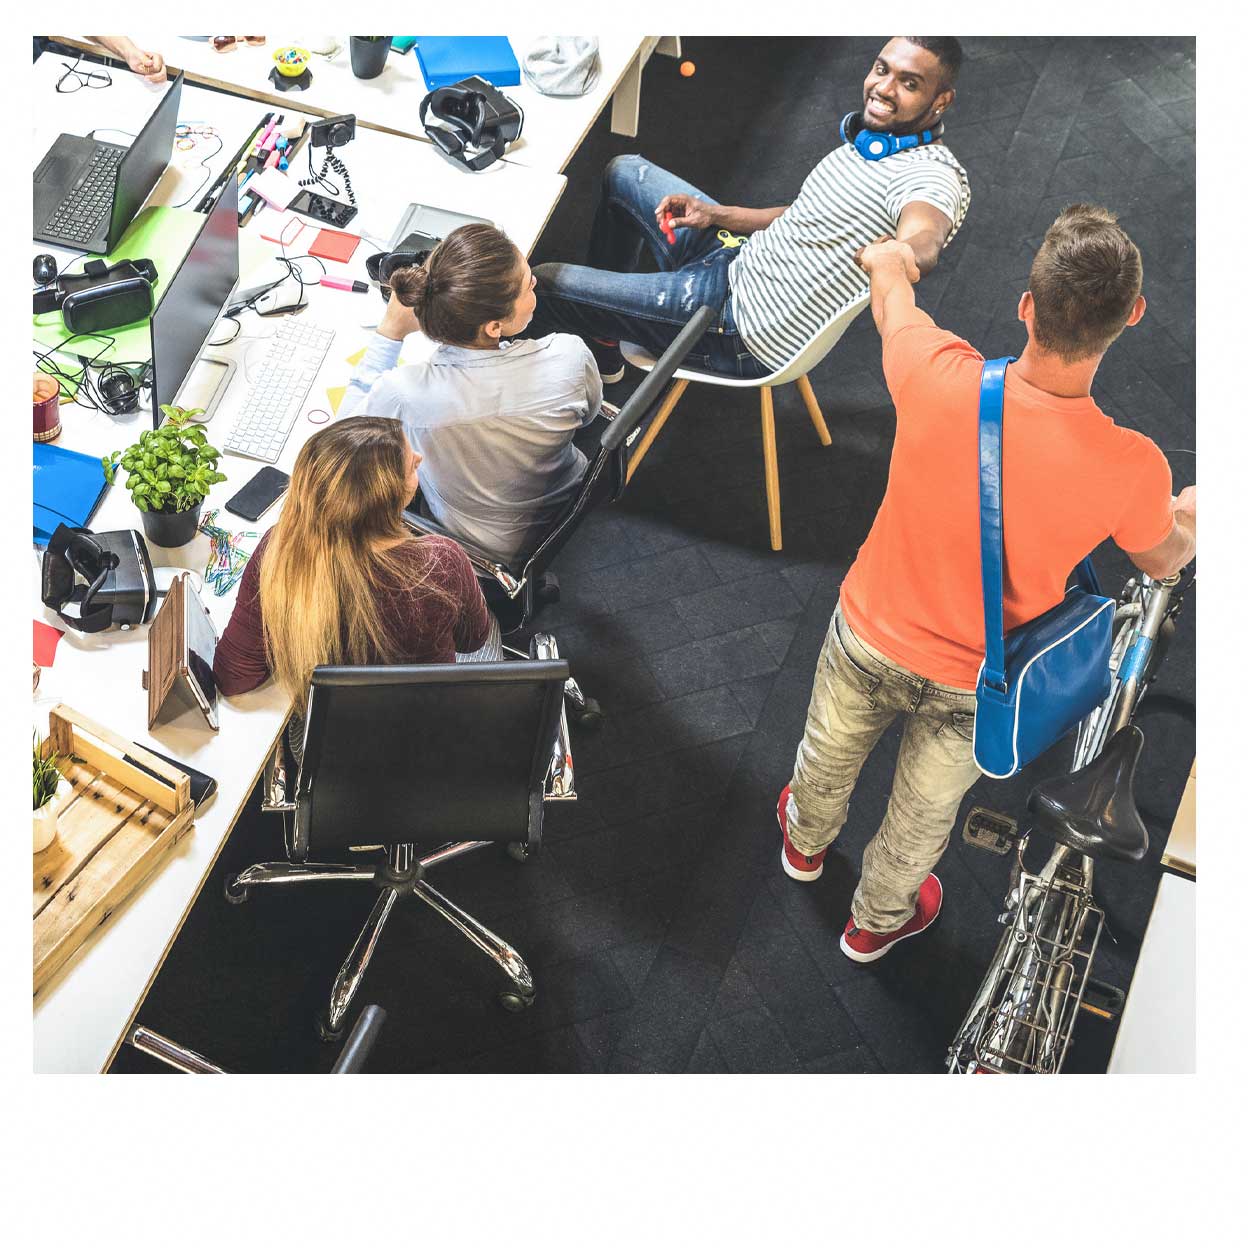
column 335, row 397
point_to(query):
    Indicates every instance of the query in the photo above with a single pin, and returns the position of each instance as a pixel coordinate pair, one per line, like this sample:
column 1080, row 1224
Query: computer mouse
column 45, row 269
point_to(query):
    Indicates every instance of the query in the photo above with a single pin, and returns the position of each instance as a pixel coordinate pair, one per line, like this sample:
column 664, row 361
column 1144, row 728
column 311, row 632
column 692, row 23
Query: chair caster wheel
column 325, row 1031
column 588, row 716
column 519, row 851
column 515, row 1002
column 236, row 894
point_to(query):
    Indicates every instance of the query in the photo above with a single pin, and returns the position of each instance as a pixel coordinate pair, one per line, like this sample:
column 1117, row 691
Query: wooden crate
column 113, row 831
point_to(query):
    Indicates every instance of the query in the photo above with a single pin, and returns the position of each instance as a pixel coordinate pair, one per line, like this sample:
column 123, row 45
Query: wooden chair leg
column 660, row 419
column 771, row 468
column 812, row 406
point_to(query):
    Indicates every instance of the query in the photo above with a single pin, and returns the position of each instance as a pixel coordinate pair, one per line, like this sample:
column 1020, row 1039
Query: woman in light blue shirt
column 492, row 416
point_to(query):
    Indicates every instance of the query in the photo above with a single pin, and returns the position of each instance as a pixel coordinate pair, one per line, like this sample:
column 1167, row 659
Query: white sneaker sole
column 855, row 956
column 609, row 379
column 806, row 877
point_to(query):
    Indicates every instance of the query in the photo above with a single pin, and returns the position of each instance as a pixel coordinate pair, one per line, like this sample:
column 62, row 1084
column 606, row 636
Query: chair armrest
column 561, row 777
column 276, row 780
column 481, row 562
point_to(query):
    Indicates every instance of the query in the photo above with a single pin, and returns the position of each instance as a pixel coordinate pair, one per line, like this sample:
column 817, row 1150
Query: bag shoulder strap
column 991, row 547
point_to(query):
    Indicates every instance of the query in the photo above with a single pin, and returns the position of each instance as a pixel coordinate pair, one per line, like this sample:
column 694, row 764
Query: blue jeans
column 608, row 299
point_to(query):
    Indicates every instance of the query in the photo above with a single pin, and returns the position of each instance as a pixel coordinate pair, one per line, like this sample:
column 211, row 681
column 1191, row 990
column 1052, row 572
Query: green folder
column 161, row 235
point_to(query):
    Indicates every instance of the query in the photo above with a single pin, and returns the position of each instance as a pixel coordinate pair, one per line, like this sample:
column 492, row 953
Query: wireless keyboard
column 79, row 214
column 282, row 381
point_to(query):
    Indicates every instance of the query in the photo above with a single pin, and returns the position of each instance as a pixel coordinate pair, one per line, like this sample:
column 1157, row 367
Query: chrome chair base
column 403, row 875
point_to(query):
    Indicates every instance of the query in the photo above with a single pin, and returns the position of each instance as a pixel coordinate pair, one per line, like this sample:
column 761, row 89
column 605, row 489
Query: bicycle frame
column 1023, row 1015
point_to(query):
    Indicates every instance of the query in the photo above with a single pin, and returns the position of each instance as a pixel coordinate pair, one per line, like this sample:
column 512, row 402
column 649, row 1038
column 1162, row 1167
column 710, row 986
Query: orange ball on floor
column 687, row 69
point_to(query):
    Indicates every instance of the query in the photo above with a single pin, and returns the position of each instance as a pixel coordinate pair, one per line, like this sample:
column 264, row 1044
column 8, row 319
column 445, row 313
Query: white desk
column 1157, row 1034
column 82, row 1013
column 553, row 128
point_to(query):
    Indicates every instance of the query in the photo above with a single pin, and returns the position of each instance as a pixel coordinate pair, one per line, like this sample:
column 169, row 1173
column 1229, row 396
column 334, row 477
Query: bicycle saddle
column 1092, row 810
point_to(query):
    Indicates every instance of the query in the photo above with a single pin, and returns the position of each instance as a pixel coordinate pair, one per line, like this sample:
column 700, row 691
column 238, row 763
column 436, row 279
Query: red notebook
column 331, row 245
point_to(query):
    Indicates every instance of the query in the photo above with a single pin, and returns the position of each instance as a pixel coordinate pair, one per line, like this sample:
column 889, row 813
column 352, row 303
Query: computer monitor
column 184, row 319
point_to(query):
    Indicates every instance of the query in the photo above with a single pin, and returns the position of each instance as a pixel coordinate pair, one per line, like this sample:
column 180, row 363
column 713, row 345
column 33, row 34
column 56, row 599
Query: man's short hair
column 946, row 49
column 1084, row 282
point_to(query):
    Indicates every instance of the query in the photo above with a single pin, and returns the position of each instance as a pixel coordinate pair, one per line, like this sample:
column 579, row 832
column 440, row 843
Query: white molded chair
column 806, row 359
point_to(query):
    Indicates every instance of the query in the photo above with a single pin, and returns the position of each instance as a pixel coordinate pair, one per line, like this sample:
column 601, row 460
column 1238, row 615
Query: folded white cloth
column 562, row 64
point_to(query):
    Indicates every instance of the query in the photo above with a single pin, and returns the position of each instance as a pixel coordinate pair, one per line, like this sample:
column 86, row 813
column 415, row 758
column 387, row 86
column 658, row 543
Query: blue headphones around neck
column 877, row 144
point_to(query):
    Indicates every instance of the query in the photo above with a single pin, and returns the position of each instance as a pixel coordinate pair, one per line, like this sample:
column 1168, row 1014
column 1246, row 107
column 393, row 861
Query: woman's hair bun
column 411, row 285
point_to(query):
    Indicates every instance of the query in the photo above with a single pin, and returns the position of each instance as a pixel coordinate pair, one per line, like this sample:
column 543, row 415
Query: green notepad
column 161, row 235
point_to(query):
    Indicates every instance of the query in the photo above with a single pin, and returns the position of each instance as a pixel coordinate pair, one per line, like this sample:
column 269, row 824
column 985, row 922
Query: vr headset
column 472, row 114
column 106, row 577
column 411, row 252
column 101, row 297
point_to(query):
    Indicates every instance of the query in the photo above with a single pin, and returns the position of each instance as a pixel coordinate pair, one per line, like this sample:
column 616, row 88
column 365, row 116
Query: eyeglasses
column 94, row 79
column 227, row 43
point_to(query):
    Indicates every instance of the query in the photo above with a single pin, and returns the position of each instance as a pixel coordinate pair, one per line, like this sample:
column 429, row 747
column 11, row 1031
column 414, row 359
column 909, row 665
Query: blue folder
column 68, row 489
column 445, row 59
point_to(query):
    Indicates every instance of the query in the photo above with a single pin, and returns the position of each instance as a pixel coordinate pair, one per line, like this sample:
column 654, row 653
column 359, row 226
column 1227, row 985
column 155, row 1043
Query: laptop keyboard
column 79, row 214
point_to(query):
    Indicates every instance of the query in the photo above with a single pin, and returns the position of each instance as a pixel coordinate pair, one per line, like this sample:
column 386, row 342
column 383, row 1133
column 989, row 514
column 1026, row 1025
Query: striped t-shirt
column 792, row 278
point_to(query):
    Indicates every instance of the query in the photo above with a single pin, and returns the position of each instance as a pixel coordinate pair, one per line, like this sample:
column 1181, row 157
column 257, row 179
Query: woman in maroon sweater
column 340, row 579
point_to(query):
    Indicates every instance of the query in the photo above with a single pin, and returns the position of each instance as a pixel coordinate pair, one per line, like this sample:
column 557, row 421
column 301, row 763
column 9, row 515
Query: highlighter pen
column 341, row 283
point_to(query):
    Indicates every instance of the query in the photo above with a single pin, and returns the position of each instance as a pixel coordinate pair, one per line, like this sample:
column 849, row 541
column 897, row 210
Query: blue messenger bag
column 1041, row 680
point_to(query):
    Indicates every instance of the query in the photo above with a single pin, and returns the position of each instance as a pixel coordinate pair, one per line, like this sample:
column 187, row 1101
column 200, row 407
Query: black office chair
column 516, row 591
column 351, row 1061
column 462, row 755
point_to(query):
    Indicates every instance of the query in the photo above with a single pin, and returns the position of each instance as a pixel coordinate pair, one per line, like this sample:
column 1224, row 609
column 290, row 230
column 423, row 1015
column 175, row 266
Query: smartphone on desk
column 259, row 494
column 330, row 211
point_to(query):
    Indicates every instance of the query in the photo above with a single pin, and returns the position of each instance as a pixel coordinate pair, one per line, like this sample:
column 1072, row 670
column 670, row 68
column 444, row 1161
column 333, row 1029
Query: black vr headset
column 106, row 577
column 101, row 297
column 472, row 114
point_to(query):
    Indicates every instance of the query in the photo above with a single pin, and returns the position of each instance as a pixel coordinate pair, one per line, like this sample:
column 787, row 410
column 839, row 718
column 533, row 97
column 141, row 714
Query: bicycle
column 1023, row 1015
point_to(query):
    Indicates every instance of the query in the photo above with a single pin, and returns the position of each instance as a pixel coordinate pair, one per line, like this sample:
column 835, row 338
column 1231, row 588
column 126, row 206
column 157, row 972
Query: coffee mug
column 47, row 407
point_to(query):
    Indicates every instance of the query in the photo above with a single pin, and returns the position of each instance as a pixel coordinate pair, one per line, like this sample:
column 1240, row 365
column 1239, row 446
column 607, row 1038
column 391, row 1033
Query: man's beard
column 919, row 124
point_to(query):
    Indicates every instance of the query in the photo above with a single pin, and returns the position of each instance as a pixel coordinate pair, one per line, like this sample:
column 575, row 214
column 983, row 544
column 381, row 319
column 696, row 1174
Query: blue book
column 68, row 489
column 445, row 59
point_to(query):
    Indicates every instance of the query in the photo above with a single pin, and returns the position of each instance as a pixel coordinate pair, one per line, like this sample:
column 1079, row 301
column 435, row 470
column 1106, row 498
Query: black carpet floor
column 661, row 931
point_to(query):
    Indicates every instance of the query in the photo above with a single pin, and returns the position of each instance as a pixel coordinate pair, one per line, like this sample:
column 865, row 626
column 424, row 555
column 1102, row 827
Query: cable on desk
column 188, row 134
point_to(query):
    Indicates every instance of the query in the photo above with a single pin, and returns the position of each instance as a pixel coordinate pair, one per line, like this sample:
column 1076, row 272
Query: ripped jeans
column 607, row 299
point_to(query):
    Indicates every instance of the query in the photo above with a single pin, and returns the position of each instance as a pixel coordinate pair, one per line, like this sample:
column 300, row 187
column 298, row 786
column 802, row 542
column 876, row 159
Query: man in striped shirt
column 777, row 288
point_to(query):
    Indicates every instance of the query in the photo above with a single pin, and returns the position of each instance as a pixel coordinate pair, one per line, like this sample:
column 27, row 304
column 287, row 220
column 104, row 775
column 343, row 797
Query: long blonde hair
column 323, row 566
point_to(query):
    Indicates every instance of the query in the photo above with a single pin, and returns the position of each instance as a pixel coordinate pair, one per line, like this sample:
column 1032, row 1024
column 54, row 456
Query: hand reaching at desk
column 149, row 65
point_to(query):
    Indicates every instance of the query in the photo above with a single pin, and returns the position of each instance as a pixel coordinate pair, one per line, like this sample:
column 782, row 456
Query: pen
column 341, row 283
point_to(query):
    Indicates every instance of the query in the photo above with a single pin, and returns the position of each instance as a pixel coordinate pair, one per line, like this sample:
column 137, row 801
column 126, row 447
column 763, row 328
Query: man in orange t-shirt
column 907, row 636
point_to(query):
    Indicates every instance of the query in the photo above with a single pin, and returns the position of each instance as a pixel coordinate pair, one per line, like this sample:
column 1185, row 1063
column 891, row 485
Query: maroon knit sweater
column 426, row 627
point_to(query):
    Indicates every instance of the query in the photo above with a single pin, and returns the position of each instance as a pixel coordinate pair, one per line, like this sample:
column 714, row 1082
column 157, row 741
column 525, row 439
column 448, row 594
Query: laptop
column 87, row 192
column 432, row 223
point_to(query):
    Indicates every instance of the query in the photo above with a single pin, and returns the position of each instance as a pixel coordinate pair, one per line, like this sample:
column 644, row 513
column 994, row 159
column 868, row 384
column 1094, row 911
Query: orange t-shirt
column 1070, row 479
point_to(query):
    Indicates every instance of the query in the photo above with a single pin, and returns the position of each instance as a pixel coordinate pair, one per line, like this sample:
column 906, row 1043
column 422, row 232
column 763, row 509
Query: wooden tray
column 112, row 832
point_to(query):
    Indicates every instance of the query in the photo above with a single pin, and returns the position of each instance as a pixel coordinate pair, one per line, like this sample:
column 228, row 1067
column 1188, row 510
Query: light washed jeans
column 857, row 695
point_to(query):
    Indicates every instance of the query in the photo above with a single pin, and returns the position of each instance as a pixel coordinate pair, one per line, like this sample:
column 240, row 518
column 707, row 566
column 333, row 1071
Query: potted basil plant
column 169, row 472
column 50, row 791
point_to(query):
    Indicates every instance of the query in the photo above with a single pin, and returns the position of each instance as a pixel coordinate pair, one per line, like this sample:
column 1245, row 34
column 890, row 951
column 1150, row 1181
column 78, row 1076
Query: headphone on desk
column 877, row 144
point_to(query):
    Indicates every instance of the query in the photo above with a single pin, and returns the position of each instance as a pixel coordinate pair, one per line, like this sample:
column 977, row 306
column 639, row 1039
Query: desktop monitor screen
column 183, row 321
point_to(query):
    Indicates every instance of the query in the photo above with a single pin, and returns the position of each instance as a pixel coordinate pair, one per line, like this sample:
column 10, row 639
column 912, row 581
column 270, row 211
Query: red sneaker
column 800, row 866
column 864, row 946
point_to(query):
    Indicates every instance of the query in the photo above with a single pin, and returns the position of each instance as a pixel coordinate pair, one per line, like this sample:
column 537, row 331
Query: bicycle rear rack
column 1038, row 986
